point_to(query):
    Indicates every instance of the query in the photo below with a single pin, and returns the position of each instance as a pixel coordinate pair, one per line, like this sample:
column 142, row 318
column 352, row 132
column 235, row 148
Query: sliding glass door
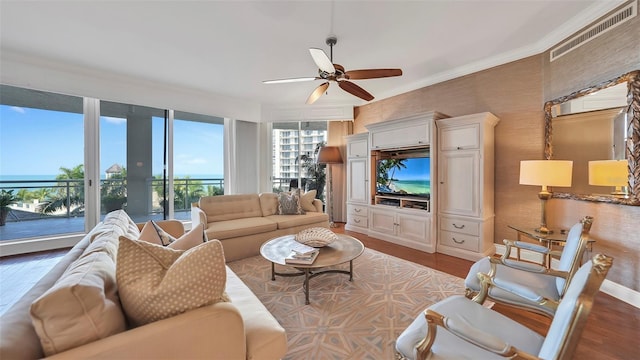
column 151, row 162
column 198, row 154
column 41, row 163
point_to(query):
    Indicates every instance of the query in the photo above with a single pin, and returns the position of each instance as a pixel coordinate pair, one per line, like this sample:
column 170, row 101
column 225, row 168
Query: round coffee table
column 344, row 249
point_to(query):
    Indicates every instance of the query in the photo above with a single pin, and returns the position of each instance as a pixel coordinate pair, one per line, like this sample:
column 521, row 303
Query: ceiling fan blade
column 322, row 60
column 315, row 95
column 355, row 90
column 282, row 81
column 372, row 73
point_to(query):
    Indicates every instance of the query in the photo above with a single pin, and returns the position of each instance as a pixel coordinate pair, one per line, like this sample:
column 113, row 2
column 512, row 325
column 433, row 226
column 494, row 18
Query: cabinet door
column 459, row 182
column 415, row 135
column 357, row 149
column 358, row 184
column 382, row 221
column 414, row 227
column 460, row 138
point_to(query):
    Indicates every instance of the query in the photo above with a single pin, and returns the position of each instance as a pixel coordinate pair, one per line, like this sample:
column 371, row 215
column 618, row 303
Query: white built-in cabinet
column 357, row 182
column 403, row 220
column 465, row 159
column 458, row 218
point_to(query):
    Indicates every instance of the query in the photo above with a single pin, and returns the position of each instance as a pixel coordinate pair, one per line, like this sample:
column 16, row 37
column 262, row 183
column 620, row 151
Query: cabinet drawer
column 460, row 241
column 357, row 220
column 357, row 210
column 460, row 226
column 467, row 137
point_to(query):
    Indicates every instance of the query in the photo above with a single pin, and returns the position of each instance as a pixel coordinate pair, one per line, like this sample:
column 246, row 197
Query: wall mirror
column 593, row 125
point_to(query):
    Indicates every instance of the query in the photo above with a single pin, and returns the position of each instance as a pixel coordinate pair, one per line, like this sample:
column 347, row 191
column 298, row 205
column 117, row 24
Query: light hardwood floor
column 612, row 331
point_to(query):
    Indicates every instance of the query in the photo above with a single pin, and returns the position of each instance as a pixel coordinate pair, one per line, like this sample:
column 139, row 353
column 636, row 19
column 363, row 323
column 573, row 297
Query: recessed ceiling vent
column 624, row 14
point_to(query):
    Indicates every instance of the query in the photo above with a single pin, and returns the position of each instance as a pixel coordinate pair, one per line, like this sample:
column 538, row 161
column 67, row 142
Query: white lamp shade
column 609, row 173
column 546, row 172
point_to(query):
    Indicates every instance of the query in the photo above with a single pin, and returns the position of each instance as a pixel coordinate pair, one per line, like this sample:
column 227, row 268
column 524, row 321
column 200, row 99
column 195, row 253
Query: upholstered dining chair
column 524, row 284
column 458, row 328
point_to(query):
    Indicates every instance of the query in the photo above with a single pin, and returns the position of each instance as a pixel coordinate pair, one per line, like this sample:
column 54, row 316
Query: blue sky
column 40, row 142
column 417, row 169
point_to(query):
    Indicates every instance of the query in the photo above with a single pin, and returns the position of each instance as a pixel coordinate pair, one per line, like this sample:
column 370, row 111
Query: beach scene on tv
column 409, row 176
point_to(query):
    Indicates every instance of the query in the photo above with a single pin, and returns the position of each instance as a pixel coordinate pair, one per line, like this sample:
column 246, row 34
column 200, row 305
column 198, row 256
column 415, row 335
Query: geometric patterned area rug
column 358, row 319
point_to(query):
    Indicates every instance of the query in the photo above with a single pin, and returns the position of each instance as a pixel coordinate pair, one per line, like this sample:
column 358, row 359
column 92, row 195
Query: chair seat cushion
column 449, row 346
column 239, row 227
column 543, row 285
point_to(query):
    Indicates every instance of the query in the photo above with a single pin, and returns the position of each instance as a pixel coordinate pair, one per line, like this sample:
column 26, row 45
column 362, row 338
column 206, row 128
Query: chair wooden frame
column 571, row 324
column 545, row 306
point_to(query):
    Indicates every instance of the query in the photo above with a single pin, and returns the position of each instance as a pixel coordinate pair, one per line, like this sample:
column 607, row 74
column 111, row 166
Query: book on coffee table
column 302, row 249
column 302, row 259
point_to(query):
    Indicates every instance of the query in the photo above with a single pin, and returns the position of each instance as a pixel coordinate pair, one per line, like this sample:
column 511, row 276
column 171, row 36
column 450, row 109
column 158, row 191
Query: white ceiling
column 228, row 47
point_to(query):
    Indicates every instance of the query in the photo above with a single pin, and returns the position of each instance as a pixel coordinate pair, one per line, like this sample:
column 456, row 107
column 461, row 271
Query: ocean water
column 41, row 181
column 417, row 187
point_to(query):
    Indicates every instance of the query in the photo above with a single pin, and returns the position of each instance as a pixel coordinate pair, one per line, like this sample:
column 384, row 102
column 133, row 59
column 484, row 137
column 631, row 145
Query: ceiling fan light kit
column 329, row 71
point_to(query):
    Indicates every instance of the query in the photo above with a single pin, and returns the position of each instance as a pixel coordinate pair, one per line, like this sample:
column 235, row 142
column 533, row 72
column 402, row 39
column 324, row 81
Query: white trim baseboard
column 608, row 287
column 40, row 244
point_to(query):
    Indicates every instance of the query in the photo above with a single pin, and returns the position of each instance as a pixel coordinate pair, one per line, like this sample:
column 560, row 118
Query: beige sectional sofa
column 244, row 222
column 241, row 328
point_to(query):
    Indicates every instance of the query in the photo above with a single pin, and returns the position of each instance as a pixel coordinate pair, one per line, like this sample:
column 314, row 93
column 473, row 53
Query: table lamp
column 613, row 173
column 545, row 173
column 330, row 155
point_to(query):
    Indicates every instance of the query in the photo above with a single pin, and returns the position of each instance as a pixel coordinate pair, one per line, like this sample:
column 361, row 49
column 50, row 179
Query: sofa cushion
column 229, row 207
column 240, row 227
column 289, row 221
column 121, row 220
column 81, row 307
column 157, row 282
column 263, row 333
column 269, row 203
column 289, row 203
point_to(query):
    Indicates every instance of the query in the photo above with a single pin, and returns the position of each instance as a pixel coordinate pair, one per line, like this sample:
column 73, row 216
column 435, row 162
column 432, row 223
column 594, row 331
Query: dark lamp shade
column 329, row 155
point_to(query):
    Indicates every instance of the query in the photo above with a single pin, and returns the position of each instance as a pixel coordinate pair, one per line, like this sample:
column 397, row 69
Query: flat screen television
column 409, row 176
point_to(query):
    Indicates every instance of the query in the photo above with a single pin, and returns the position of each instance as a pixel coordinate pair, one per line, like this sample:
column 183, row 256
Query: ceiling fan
column 329, row 71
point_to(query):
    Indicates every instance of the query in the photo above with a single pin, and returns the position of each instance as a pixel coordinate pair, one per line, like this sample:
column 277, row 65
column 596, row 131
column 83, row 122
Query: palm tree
column 387, row 169
column 314, row 172
column 68, row 193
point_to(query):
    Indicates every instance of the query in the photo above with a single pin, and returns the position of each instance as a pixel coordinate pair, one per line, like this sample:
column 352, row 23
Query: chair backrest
column 571, row 316
column 573, row 251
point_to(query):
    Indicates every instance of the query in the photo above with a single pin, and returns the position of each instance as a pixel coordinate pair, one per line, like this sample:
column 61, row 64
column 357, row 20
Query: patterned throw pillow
column 289, row 203
column 156, row 282
column 165, row 238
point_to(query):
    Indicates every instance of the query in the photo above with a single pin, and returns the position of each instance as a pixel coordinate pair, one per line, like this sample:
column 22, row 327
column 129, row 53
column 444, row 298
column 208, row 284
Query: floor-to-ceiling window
column 41, row 163
column 198, row 159
column 131, row 153
column 151, row 162
column 295, row 146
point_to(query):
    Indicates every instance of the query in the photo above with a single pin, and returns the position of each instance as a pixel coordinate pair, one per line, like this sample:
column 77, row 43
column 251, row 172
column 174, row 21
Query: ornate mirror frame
column 632, row 146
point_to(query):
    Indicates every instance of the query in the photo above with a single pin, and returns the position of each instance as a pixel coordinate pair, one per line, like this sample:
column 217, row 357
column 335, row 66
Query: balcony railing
column 65, row 197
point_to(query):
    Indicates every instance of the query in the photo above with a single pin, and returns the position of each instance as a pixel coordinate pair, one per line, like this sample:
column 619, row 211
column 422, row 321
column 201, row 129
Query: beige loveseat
column 244, row 222
column 241, row 328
